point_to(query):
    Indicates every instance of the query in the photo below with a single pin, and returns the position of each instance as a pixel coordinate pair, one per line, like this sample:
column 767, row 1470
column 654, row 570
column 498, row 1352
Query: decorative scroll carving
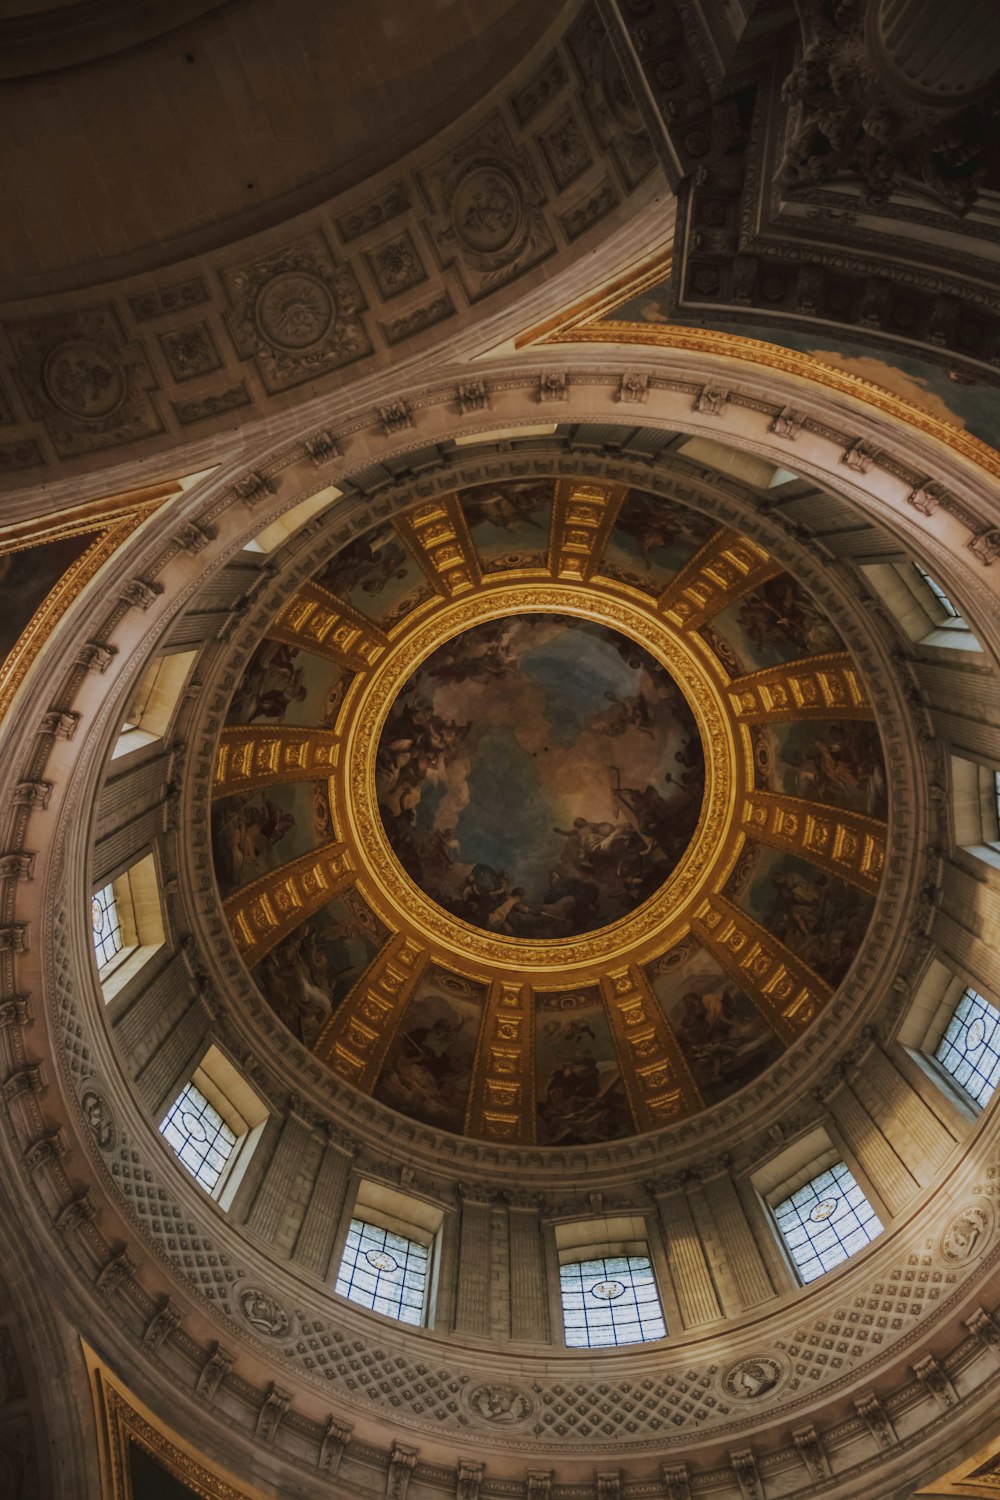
column 439, row 539
column 276, row 1402
column 934, row 1379
column 676, row 1481
column 335, row 1440
column 844, row 843
column 267, row 910
column 356, row 1038
column 659, row 1083
column 213, row 1372
column 323, row 624
column 812, row 1452
column 401, row 1462
column 785, row 990
column 469, row 1479
column 582, row 517
column 247, row 758
column 501, row 1099
column 871, row 1411
column 744, row 1466
column 823, row 687
column 726, row 568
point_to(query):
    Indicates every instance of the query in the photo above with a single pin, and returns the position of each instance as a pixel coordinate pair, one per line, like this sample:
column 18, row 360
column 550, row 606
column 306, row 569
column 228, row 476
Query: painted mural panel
column 839, row 763
column 539, row 776
column 428, row 1070
column 509, row 523
column 651, row 541
column 306, row 977
column 775, row 623
column 725, row 1039
column 254, row 832
column 378, row 576
column 819, row 917
column 27, row 576
column 580, row 1095
column 282, row 684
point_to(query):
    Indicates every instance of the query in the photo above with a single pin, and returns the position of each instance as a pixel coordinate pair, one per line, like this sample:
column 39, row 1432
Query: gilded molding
column 723, row 570
column 267, row 910
column 786, row 991
column 640, row 935
column 439, row 539
column 821, row 687
column 317, row 621
column 582, row 517
column 357, row 1036
column 657, row 1078
column 842, row 843
column 502, row 1099
column 255, row 757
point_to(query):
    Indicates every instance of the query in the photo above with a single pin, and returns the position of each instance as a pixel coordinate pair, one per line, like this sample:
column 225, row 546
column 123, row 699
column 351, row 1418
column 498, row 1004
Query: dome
column 499, row 715
column 585, row 744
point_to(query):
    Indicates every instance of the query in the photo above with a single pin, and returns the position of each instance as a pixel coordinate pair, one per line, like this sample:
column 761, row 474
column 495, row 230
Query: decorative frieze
column 247, row 758
column 656, row 1073
column 439, row 539
column 357, row 1037
column 823, row 687
column 722, row 571
column 316, row 621
column 582, row 517
column 501, row 1098
column 842, row 843
column 267, row 910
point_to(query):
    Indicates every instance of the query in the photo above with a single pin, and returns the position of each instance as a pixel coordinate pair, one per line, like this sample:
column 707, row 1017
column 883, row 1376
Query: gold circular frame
column 644, row 933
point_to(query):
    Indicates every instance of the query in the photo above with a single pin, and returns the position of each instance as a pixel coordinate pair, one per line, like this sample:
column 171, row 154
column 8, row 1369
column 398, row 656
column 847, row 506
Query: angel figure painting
column 540, row 776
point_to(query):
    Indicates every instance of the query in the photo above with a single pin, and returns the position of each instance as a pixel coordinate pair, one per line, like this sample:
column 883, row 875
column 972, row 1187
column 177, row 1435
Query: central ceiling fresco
column 549, row 812
column 540, row 776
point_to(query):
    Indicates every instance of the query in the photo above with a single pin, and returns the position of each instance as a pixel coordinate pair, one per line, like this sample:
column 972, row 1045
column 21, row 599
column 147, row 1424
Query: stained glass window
column 996, row 794
column 199, row 1136
column 939, row 593
column 970, row 1047
column 611, row 1300
column 826, row 1221
column 107, row 926
column 384, row 1271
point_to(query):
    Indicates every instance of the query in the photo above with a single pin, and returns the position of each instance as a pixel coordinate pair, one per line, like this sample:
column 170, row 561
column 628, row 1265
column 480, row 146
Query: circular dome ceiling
column 549, row 812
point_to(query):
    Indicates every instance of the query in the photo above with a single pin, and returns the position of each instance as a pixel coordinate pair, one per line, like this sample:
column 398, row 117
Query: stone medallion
column 487, row 209
column 968, row 1233
column 753, row 1378
column 84, row 381
column 295, row 310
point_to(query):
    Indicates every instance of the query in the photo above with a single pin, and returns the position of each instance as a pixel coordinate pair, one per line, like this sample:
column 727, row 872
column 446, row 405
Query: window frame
column 838, row 1170
column 240, row 1107
column 425, row 1248
column 609, row 1274
column 139, row 908
column 418, row 1220
column 585, row 1241
column 971, row 993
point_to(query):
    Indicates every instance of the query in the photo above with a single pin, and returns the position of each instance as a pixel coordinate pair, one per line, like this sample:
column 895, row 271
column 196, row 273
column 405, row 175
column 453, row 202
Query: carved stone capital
column 212, row 1373
column 141, row 593
column 61, row 722
column 18, row 866
column 163, row 1322
column 34, row 794
column 322, row 447
column 394, row 417
column 552, row 386
column 276, row 1402
column 96, row 656
column 252, row 488
column 193, row 538
column 472, row 396
column 331, row 1450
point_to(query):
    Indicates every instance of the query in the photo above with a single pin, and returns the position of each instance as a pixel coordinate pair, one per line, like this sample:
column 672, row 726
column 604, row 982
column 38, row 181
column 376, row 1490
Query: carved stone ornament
column 969, row 1232
column 401, row 1462
column 750, row 1379
column 213, row 1372
column 469, row 1479
column 633, row 388
column 499, row 1405
column 335, row 1440
column 80, row 376
column 676, row 1481
column 553, row 386
column 488, row 200
column 472, row 396
column 986, row 547
column 265, row 1314
column 848, row 120
column 297, row 313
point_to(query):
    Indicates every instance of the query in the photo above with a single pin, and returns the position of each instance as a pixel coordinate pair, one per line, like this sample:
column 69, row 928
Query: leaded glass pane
column 107, row 927
column 199, row 1136
column 970, row 1047
column 826, row 1221
column 610, row 1300
column 384, row 1271
column 939, row 593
